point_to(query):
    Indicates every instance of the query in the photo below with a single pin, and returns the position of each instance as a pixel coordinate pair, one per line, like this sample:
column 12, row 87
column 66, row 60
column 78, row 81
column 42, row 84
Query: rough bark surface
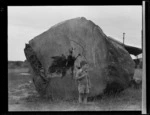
column 112, row 68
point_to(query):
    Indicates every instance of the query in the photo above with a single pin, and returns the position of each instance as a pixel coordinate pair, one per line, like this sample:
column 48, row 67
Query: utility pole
column 123, row 37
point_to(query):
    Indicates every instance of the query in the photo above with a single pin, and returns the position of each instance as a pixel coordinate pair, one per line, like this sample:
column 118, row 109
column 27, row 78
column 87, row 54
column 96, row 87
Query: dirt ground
column 23, row 97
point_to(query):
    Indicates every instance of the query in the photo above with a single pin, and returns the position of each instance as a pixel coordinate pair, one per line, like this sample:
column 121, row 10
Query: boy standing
column 83, row 81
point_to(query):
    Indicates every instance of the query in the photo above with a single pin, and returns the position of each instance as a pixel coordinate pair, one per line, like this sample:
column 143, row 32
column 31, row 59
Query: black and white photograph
column 75, row 58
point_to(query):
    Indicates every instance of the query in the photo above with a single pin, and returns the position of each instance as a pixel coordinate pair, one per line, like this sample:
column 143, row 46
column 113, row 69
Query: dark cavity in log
column 62, row 63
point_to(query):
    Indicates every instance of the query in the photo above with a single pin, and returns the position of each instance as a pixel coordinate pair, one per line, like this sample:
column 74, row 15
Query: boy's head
column 84, row 65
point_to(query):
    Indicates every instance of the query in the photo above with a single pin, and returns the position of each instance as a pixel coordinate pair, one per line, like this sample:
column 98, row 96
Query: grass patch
column 129, row 99
column 15, row 79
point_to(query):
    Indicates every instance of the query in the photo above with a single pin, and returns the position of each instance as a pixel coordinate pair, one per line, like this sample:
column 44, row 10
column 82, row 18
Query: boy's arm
column 80, row 74
column 77, row 74
column 83, row 73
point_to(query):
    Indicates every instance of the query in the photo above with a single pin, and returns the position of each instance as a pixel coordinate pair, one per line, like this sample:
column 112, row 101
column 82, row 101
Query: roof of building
column 131, row 49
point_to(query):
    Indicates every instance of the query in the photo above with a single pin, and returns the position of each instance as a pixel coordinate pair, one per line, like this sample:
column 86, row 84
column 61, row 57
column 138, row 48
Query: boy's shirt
column 83, row 78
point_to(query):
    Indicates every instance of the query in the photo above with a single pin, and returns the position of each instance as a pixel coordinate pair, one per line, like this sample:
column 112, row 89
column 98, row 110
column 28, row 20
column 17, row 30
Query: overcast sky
column 26, row 22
